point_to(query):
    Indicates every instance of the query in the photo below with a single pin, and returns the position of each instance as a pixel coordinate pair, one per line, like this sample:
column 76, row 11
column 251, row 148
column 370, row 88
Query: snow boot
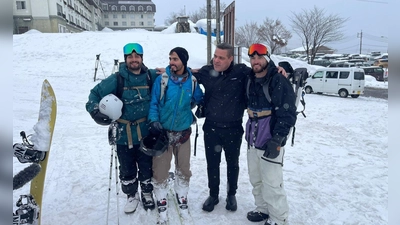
column 231, row 203
column 132, row 203
column 256, row 216
column 148, row 200
column 210, row 203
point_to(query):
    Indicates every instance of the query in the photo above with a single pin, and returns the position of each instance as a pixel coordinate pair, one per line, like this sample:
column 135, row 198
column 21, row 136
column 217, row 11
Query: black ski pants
column 217, row 139
column 134, row 165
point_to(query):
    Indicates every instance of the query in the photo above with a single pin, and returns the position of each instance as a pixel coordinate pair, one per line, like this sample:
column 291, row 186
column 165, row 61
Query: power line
column 373, row 1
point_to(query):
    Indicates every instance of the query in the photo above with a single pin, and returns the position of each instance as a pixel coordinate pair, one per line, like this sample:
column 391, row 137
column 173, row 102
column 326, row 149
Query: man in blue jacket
column 135, row 166
column 170, row 110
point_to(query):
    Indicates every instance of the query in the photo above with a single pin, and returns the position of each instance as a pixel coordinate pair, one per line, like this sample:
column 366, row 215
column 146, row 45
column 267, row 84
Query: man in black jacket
column 272, row 112
column 225, row 102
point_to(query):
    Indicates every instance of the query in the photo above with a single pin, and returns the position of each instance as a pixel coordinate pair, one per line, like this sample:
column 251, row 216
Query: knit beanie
column 182, row 54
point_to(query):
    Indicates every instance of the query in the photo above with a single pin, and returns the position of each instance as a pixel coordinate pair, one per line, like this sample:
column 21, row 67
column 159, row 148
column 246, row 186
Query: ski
column 36, row 151
column 184, row 214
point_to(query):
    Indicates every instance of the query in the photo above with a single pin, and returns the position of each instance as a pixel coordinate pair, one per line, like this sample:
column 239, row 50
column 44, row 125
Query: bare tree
column 317, row 29
column 274, row 34
column 201, row 13
column 247, row 34
column 172, row 17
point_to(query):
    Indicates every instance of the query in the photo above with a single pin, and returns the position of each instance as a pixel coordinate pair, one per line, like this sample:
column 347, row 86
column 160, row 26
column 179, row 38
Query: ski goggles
column 260, row 49
column 129, row 48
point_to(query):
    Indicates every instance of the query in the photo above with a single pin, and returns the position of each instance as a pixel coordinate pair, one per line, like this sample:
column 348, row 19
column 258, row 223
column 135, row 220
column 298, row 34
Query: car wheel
column 343, row 93
column 308, row 90
column 354, row 96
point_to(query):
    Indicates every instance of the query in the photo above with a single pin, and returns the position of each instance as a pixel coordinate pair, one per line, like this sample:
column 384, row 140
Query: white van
column 339, row 80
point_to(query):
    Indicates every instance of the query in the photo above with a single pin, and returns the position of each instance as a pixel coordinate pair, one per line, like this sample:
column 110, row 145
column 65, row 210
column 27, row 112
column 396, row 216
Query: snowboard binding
column 27, row 212
column 26, row 153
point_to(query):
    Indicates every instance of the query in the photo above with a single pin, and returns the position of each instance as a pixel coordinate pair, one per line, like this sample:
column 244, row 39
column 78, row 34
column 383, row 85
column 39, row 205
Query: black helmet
column 154, row 145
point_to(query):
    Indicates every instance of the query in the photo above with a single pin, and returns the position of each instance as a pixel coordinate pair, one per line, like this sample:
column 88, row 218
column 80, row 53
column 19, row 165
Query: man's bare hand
column 282, row 71
column 160, row 70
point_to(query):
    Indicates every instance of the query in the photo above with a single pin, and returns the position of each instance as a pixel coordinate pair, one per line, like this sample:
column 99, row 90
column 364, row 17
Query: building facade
column 68, row 16
column 121, row 15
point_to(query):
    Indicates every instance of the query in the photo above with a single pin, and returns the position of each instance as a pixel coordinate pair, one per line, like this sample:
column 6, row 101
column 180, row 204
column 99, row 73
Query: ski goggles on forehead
column 260, row 49
column 129, row 48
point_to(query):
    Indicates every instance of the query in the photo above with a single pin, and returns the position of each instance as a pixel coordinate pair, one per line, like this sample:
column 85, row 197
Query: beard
column 258, row 68
column 176, row 68
column 134, row 65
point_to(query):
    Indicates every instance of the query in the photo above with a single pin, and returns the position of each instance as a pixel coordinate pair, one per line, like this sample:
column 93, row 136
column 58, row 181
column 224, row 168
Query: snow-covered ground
column 336, row 173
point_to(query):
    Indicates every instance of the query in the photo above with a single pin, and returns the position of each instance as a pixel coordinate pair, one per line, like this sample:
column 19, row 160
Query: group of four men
column 230, row 89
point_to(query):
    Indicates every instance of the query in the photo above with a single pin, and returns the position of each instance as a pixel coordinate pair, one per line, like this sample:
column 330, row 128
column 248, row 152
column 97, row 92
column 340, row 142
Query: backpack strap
column 265, row 89
column 120, row 85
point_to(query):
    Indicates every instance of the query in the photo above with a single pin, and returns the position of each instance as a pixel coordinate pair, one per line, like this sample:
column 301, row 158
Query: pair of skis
column 175, row 213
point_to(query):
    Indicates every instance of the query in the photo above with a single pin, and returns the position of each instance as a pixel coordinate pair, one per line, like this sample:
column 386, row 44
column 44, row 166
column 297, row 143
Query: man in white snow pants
column 270, row 118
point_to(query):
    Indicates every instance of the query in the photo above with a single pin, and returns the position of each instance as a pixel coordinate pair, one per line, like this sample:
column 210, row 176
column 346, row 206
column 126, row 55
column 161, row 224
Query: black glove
column 155, row 127
column 272, row 147
column 200, row 111
column 100, row 118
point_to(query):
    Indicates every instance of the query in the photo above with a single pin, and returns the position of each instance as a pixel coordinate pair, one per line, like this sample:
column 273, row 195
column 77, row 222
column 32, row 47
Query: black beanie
column 182, row 54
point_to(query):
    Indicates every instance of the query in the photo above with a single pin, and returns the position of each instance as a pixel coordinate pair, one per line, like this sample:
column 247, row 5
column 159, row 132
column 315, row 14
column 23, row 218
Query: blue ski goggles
column 133, row 47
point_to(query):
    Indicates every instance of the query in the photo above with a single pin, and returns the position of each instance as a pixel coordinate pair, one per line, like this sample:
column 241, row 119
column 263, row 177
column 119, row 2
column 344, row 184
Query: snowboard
column 41, row 139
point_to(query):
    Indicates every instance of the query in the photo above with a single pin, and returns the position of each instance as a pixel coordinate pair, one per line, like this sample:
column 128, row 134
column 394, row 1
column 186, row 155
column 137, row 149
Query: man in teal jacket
column 134, row 164
column 170, row 111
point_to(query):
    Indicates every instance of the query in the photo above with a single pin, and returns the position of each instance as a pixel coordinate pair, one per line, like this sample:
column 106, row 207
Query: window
column 148, row 8
column 358, row 76
column 105, row 16
column 344, row 75
column 124, row 23
column 104, row 7
column 114, row 8
column 131, row 8
column 115, row 16
column 149, row 16
column 141, row 23
column 21, row 5
column 132, row 16
column 133, row 23
column 115, row 23
column 140, row 8
column 149, row 23
column 107, row 23
column 141, row 16
column 123, row 16
column 59, row 11
column 123, row 8
column 331, row 74
column 318, row 74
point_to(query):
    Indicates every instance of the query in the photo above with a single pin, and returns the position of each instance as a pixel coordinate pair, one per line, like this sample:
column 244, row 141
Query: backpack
column 164, row 83
column 297, row 78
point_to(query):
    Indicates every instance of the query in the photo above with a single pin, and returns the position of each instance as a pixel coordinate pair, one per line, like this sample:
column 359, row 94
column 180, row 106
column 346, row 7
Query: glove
column 272, row 147
column 200, row 111
column 155, row 127
column 100, row 118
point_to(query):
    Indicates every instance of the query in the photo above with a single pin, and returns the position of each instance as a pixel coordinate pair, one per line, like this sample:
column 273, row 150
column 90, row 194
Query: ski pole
column 116, row 182
column 109, row 185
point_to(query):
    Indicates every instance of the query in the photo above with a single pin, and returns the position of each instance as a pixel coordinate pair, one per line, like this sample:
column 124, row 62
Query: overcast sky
column 368, row 16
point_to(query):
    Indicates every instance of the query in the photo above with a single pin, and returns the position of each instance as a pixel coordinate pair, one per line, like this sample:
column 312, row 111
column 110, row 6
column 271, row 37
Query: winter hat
column 182, row 54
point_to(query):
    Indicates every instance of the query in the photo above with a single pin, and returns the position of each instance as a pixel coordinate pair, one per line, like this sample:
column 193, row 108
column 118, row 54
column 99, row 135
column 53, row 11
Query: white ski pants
column 266, row 177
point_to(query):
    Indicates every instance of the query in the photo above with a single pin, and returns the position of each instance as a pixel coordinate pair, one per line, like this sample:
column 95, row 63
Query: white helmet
column 111, row 106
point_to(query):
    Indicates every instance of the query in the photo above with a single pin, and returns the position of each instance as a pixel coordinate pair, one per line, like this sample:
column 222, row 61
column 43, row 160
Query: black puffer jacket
column 227, row 102
column 282, row 100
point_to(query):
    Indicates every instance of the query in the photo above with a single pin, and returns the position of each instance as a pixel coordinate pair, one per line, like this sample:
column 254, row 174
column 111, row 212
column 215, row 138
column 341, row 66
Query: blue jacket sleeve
column 154, row 113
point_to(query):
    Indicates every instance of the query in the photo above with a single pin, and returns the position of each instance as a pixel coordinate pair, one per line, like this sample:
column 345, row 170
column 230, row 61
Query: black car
column 375, row 71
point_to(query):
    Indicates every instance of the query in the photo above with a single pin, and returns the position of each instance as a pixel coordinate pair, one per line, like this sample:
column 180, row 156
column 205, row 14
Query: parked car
column 374, row 71
column 384, row 63
column 342, row 81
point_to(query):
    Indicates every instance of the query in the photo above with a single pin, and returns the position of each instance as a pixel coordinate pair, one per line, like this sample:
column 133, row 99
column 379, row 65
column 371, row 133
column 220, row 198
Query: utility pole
column 218, row 21
column 208, row 31
column 360, row 36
